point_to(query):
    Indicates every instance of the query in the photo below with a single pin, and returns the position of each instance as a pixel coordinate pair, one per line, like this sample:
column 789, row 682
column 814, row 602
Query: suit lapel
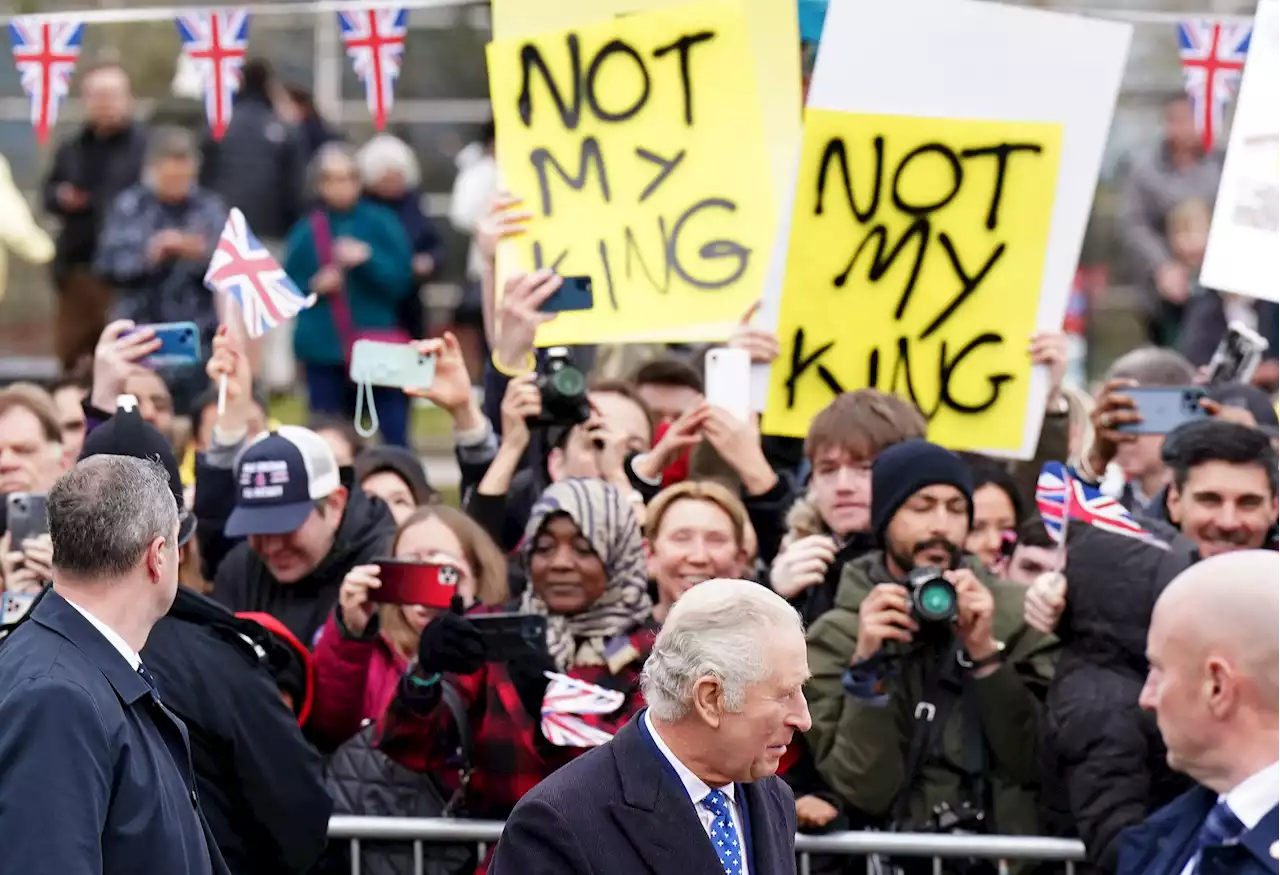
column 656, row 815
column 1175, row 834
column 768, row 853
column 1261, row 840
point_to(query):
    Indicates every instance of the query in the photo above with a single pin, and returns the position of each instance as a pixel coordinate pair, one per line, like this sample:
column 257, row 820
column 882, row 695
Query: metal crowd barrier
column 870, row 844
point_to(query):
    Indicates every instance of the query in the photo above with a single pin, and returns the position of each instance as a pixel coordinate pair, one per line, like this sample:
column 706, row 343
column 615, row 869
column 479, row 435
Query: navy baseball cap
column 128, row 434
column 280, row 477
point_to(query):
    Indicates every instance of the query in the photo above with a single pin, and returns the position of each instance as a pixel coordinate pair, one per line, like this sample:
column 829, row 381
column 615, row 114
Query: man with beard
column 923, row 695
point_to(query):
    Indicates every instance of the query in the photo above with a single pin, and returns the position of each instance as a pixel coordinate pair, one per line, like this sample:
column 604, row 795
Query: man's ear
column 336, row 502
column 1172, row 500
column 555, row 465
column 155, row 558
column 708, row 700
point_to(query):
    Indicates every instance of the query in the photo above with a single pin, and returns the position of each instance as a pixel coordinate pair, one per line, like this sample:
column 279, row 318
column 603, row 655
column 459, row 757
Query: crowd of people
column 305, row 694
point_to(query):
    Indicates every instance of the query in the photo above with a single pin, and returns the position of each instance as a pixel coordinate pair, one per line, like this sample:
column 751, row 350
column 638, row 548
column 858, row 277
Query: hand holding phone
column 1162, row 409
column 354, row 602
column 728, row 381
column 28, row 517
column 179, row 344
column 393, row 365
column 451, row 643
column 575, row 293
column 509, row 637
column 431, row 584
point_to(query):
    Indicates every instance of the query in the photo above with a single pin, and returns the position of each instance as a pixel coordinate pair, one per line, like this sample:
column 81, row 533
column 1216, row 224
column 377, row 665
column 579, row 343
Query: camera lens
column 569, row 382
column 935, row 601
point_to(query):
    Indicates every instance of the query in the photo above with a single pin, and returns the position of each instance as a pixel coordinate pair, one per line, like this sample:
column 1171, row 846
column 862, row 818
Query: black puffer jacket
column 1104, row 760
column 244, row 583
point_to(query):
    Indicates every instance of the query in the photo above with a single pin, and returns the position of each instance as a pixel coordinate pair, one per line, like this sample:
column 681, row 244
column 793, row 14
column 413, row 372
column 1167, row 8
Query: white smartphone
column 728, row 381
column 392, row 365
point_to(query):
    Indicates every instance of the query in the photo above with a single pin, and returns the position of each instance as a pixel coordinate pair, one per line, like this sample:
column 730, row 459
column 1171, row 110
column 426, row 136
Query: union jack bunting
column 1212, row 61
column 245, row 271
column 45, row 53
column 374, row 39
column 566, row 698
column 216, row 43
column 1057, row 488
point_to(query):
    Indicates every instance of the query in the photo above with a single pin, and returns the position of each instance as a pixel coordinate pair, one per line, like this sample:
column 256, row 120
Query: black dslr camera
column 932, row 596
column 564, row 391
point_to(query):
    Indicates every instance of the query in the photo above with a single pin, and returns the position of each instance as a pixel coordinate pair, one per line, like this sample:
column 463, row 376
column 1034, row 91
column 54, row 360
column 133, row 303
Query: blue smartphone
column 1165, row 408
column 179, row 344
column 574, row 294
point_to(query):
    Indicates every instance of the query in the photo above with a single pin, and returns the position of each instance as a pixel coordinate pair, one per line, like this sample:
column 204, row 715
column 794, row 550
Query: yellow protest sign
column 774, row 31
column 914, row 266
column 637, row 143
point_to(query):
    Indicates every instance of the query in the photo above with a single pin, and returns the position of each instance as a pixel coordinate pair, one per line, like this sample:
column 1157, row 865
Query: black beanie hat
column 902, row 470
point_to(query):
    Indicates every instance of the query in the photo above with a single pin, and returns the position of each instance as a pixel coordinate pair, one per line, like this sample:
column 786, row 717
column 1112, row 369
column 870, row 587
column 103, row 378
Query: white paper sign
column 971, row 59
column 1243, row 252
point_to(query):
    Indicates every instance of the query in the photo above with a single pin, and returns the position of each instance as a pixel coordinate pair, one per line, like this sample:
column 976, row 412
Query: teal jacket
column 374, row 289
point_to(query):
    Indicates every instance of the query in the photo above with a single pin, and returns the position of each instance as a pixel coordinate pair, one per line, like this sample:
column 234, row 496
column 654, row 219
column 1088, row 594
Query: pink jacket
column 355, row 681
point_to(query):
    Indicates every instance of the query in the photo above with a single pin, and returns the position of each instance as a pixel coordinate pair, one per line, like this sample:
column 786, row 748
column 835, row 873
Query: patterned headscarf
column 605, row 517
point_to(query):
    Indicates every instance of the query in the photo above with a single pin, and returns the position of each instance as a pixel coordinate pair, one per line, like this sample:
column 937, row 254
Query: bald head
column 108, row 97
column 1214, row 645
column 1230, row 604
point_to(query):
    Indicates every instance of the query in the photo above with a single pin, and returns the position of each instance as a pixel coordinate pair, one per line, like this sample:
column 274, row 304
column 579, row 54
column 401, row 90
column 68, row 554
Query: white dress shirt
column 698, row 790
column 131, row 656
column 1250, row 801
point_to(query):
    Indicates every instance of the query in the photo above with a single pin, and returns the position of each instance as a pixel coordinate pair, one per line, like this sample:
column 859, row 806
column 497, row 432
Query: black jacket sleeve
column 214, row 501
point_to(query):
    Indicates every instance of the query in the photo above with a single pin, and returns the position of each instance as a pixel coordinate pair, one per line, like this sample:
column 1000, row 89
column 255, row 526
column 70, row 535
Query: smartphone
column 393, row 365
column 410, row 582
column 1164, row 409
column 727, row 381
column 1238, row 355
column 179, row 344
column 574, row 294
column 511, row 636
column 27, row 517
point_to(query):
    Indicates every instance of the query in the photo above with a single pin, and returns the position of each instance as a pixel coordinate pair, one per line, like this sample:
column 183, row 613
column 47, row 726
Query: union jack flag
column 216, row 43
column 1061, row 497
column 568, row 697
column 45, row 53
column 1212, row 60
column 375, row 43
column 244, row 270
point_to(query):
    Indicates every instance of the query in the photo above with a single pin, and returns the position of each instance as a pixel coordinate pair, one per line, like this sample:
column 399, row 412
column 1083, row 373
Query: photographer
column 923, row 710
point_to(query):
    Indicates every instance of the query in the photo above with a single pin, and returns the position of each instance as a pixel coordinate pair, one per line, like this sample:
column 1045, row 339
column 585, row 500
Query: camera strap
column 942, row 687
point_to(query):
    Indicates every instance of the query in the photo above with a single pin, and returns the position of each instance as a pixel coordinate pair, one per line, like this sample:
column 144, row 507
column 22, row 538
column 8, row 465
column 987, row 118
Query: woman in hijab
column 585, row 560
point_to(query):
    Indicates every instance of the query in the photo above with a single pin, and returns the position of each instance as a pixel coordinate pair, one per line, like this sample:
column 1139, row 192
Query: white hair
column 716, row 629
column 387, row 154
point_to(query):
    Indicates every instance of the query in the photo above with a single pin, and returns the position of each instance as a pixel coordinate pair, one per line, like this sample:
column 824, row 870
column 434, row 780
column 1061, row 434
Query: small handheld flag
column 45, row 53
column 565, row 700
column 244, row 271
column 1057, row 489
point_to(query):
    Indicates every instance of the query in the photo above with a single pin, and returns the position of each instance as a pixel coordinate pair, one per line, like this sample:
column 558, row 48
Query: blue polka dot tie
column 724, row 838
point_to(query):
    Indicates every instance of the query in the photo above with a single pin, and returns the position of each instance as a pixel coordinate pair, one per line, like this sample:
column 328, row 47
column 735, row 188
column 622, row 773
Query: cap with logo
column 128, row 434
column 280, row 477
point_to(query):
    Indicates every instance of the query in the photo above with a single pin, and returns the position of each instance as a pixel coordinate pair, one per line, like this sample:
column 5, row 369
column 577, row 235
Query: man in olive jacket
column 873, row 656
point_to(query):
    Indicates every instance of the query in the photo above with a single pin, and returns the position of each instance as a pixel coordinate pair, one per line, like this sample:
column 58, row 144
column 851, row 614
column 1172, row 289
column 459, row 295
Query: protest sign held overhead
column 937, row 213
column 638, row 146
column 1243, row 252
column 917, row 247
column 772, row 27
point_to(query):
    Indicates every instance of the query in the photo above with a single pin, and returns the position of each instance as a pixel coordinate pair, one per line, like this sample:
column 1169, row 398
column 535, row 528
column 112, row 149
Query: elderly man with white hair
column 689, row 785
column 1214, row 649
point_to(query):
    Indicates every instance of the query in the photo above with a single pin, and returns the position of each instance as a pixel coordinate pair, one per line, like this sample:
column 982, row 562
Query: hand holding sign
column 519, row 316
column 1049, row 348
column 761, row 343
column 502, row 221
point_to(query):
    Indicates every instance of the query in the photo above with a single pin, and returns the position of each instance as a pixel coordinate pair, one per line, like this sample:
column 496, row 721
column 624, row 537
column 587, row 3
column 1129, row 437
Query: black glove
column 527, row 676
column 451, row 643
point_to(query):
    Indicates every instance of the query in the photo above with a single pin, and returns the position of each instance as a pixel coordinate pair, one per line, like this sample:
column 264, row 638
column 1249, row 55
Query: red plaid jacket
column 511, row 756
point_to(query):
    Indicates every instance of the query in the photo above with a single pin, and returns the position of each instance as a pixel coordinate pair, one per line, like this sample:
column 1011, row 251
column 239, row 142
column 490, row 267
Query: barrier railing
column 870, row 844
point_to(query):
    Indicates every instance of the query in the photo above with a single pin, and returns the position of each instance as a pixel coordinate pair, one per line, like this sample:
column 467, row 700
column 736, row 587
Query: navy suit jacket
column 96, row 774
column 1165, row 842
column 618, row 810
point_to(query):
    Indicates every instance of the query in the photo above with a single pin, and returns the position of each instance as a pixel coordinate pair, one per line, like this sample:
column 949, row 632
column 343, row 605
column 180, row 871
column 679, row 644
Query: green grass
column 429, row 427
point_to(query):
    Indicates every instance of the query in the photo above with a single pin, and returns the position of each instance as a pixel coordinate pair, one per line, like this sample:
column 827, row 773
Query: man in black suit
column 97, row 771
column 689, row 785
column 1213, row 646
